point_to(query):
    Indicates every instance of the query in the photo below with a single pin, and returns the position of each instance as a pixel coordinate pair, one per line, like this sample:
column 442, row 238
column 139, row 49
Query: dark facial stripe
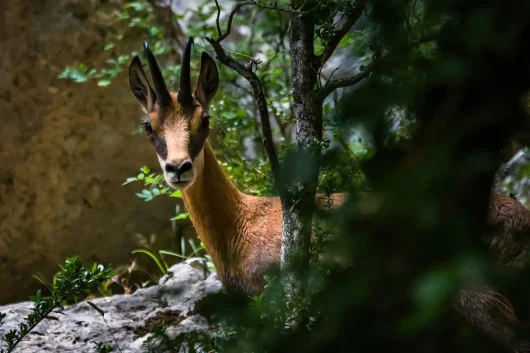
column 160, row 145
column 197, row 141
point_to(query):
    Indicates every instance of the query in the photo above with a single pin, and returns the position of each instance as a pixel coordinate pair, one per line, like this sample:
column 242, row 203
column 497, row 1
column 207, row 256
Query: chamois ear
column 208, row 81
column 140, row 87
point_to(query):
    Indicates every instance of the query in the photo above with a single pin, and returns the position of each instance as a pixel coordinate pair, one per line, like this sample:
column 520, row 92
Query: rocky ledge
column 131, row 318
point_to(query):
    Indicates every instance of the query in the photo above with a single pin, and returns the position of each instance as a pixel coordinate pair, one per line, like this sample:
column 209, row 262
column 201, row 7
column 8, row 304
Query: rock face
column 65, row 147
column 513, row 177
column 130, row 317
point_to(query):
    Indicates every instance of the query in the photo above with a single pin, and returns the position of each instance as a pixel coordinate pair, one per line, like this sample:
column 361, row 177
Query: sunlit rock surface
column 514, row 177
column 130, row 317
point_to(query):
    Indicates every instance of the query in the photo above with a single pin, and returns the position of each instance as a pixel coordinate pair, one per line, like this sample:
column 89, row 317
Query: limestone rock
column 130, row 317
column 512, row 177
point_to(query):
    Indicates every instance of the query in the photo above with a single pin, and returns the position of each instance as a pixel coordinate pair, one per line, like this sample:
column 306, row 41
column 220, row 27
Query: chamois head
column 177, row 124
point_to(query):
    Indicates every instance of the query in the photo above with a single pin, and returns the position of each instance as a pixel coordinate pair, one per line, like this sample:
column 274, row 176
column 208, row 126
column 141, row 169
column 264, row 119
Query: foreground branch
column 252, row 78
column 257, row 90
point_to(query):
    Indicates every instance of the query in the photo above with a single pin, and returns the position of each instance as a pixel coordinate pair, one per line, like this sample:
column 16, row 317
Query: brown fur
column 511, row 235
column 242, row 233
column 486, row 308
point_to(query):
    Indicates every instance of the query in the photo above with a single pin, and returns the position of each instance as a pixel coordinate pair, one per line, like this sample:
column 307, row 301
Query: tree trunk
column 298, row 195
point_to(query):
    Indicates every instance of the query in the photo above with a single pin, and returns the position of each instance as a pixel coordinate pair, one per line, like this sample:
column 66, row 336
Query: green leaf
column 38, row 276
column 176, row 193
column 146, row 192
column 181, row 216
column 154, row 31
column 35, row 298
column 129, row 180
column 103, row 83
column 230, row 115
column 171, row 253
column 152, row 256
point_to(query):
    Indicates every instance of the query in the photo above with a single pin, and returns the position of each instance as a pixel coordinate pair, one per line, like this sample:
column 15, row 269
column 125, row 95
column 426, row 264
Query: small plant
column 155, row 186
column 103, row 288
column 157, row 340
column 162, row 263
column 73, row 283
column 100, row 348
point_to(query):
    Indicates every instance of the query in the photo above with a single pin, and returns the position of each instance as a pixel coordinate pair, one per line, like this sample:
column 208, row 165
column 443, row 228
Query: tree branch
column 239, row 5
column 334, row 41
column 271, row 6
column 255, row 83
column 219, row 33
column 332, row 85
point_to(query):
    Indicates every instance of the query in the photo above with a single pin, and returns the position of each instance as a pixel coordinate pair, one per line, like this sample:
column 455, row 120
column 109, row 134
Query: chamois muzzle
column 184, row 97
column 162, row 94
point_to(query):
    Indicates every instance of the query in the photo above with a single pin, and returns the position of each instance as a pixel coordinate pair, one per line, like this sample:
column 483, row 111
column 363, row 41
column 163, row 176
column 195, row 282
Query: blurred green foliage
column 73, row 283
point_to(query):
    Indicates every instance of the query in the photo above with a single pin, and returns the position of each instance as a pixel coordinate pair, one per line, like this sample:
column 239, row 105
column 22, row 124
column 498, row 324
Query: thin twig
column 102, row 313
column 299, row 11
column 230, row 19
column 332, row 85
column 332, row 73
column 345, row 146
column 239, row 5
column 219, row 33
column 113, row 337
column 275, row 7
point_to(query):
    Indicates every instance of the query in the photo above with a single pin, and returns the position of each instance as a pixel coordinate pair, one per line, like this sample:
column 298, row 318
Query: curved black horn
column 162, row 94
column 184, row 96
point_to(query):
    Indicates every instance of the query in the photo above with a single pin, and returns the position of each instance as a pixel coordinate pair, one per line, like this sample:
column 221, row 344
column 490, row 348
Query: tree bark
column 298, row 195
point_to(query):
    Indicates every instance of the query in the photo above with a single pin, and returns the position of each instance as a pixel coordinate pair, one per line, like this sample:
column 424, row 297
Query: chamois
column 242, row 233
column 484, row 307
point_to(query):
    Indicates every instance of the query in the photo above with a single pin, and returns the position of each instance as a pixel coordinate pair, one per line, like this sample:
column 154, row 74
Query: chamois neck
column 214, row 204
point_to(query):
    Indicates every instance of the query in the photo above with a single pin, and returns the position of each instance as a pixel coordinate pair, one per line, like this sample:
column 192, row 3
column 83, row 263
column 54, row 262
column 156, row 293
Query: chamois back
column 510, row 236
column 484, row 307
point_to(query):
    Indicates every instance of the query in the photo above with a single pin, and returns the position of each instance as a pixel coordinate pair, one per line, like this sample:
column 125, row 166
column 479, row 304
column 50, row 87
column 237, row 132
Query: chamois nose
column 179, row 169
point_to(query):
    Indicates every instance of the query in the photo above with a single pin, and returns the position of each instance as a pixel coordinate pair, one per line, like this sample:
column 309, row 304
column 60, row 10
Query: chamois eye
column 148, row 128
column 205, row 122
